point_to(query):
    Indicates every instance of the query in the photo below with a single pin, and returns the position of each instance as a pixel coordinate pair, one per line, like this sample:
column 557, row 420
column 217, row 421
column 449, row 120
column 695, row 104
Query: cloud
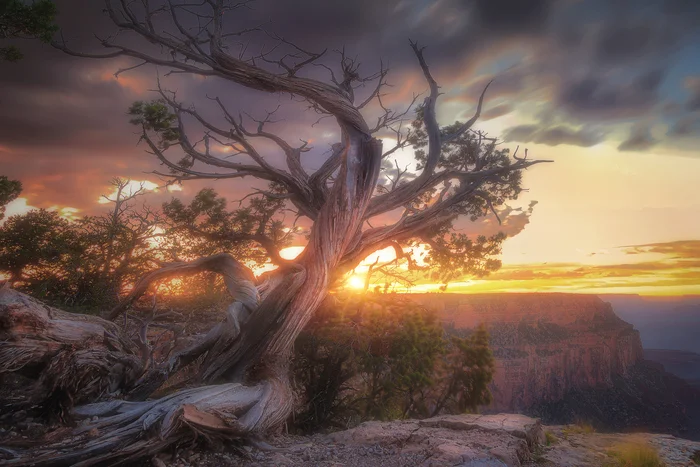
column 639, row 139
column 521, row 133
column 597, row 97
column 685, row 126
column 62, row 120
column 676, row 270
column 692, row 84
column 513, row 221
column 497, row 111
column 683, row 249
column 504, row 84
column 506, row 16
column 554, row 136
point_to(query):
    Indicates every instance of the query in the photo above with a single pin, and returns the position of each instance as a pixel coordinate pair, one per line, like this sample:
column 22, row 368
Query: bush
column 636, row 454
column 579, row 428
column 381, row 357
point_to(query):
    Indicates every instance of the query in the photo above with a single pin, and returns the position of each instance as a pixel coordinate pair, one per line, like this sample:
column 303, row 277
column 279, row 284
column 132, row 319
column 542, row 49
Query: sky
column 607, row 89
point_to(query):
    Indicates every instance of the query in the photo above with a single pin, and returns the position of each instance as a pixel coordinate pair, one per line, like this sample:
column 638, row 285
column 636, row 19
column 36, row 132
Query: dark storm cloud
column 554, row 136
column 686, row 126
column 613, row 57
column 639, row 139
column 623, row 42
column 497, row 111
column 506, row 16
column 594, row 97
column 692, row 84
column 506, row 84
column 592, row 59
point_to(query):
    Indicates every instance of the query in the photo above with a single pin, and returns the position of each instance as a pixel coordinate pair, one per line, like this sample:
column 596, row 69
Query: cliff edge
column 545, row 344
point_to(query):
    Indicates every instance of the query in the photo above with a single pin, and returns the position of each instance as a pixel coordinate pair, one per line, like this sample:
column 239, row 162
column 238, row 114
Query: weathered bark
column 71, row 357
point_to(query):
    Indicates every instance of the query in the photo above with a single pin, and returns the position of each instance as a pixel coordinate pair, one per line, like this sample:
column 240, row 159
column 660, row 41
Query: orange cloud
column 133, row 82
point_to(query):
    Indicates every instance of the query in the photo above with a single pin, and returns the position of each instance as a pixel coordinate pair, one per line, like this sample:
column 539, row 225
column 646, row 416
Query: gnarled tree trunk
column 246, row 362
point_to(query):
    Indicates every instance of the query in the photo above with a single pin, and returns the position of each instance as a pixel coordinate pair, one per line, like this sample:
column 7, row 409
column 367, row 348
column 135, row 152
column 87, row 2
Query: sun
column 356, row 282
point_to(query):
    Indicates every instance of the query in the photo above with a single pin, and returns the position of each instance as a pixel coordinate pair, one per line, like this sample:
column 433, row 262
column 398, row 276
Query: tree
column 244, row 371
column 86, row 262
column 37, row 240
column 384, row 357
column 9, row 191
column 116, row 246
column 21, row 20
column 468, row 370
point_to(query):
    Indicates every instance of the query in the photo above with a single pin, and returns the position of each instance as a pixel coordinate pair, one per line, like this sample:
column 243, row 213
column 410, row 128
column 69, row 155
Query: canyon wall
column 545, row 345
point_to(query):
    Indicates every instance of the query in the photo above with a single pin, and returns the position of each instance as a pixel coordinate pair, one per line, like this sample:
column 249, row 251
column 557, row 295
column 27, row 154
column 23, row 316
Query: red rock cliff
column 545, row 344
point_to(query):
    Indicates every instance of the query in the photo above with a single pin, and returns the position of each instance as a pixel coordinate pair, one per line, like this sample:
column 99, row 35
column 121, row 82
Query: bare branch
column 239, row 280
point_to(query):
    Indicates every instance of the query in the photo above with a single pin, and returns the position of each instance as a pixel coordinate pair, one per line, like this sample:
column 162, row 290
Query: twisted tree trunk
column 246, row 362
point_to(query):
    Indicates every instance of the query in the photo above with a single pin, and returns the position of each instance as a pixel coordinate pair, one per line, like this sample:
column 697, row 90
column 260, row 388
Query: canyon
column 544, row 344
column 568, row 358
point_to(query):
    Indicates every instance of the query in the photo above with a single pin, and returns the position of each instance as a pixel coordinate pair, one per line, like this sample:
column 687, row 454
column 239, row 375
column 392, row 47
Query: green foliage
column 80, row 263
column 469, row 369
column 19, row 19
column 88, row 262
column 155, row 116
column 550, row 438
column 696, row 457
column 471, row 151
column 455, row 255
column 384, row 357
column 206, row 226
column 36, row 240
column 9, row 191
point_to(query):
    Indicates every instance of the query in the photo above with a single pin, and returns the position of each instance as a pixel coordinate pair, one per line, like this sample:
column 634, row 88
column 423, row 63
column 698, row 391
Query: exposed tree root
column 117, row 432
column 78, row 358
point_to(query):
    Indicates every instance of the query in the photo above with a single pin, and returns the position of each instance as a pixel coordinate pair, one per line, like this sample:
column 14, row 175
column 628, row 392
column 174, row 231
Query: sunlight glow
column 291, row 252
column 356, row 282
column 66, row 212
column 17, row 206
column 132, row 187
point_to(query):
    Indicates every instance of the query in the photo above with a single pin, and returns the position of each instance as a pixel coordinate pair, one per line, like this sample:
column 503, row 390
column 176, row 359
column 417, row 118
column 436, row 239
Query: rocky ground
column 449, row 440
column 464, row 440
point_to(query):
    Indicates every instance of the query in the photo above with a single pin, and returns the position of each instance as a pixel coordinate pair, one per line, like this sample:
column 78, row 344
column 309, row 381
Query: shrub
column 384, row 357
column 636, row 454
column 579, row 428
column 550, row 438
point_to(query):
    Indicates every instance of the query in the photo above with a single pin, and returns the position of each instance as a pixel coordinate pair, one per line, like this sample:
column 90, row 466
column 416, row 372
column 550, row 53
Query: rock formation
column 545, row 344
